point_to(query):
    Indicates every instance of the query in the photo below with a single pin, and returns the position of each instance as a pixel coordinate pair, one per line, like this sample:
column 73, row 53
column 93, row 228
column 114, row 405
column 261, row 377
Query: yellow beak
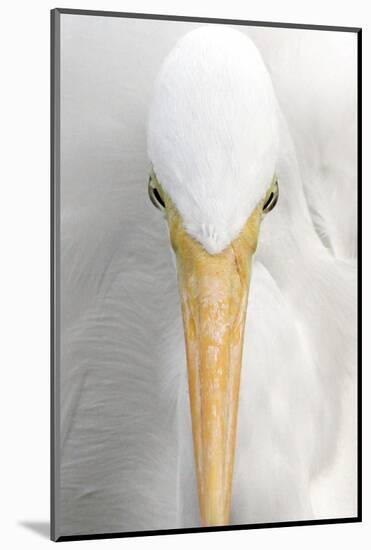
column 214, row 292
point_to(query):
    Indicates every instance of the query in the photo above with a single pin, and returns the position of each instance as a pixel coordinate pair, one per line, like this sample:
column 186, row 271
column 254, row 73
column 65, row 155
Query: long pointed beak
column 214, row 292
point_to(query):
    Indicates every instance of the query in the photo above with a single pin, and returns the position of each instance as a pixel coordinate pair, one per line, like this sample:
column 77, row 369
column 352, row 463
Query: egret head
column 212, row 141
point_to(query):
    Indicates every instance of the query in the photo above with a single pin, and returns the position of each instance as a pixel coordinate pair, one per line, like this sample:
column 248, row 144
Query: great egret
column 220, row 149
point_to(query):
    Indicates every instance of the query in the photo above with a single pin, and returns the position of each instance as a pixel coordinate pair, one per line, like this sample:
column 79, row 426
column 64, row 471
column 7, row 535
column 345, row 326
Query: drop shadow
column 42, row 528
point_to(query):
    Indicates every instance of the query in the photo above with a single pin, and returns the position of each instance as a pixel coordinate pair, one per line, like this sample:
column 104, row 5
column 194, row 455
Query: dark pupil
column 268, row 201
column 158, row 197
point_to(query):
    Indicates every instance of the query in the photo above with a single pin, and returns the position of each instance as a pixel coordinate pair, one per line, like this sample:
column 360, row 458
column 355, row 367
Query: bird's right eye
column 271, row 198
column 154, row 194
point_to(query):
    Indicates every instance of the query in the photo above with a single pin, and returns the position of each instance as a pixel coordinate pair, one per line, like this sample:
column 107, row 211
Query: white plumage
column 212, row 133
column 126, row 450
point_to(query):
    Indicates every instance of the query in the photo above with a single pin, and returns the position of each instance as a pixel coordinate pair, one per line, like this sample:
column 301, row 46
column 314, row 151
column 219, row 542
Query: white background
column 24, row 233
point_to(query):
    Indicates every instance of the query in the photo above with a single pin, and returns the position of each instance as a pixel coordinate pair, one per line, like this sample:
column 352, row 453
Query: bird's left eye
column 154, row 194
column 271, row 198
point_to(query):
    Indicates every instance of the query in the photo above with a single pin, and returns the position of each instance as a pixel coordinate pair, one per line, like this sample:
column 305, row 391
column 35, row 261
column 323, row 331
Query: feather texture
column 212, row 132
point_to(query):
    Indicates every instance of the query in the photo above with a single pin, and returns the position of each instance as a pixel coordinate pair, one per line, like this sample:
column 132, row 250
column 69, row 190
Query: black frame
column 55, row 283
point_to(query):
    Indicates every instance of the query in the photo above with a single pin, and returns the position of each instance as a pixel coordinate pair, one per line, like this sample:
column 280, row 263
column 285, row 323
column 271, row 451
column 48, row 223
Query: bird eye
column 154, row 194
column 272, row 198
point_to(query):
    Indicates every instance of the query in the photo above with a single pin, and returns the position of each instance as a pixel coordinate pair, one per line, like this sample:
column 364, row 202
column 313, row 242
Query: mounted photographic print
column 205, row 192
